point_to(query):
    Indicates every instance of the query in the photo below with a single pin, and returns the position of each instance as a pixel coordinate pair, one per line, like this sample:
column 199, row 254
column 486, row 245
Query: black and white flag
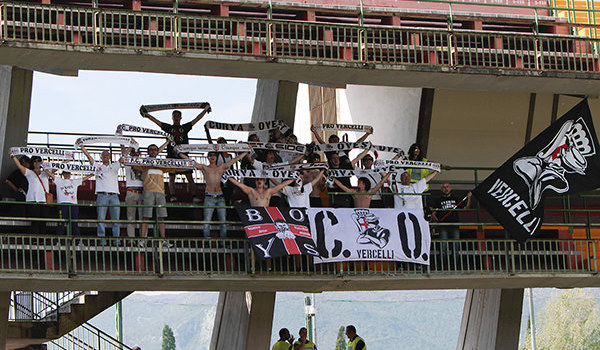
column 562, row 159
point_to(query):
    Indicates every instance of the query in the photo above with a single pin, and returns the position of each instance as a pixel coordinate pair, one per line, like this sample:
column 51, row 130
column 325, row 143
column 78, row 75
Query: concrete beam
column 331, row 73
column 15, row 100
column 275, row 99
column 491, row 319
column 243, row 321
column 4, row 305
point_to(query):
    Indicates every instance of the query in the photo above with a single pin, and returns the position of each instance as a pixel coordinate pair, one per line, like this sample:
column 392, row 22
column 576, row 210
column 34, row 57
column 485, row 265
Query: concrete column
column 491, row 319
column 243, row 320
column 15, row 100
column 275, row 99
column 4, row 305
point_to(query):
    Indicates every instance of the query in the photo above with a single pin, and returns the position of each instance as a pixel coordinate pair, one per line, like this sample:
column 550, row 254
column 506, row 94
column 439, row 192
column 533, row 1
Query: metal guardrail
column 101, row 28
column 40, row 306
column 200, row 257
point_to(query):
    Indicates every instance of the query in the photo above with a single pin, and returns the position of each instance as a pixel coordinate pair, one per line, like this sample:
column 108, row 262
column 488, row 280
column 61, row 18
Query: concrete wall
column 15, row 100
column 483, row 128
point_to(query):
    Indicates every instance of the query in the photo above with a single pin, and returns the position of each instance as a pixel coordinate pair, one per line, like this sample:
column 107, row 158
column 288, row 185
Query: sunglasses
column 152, row 149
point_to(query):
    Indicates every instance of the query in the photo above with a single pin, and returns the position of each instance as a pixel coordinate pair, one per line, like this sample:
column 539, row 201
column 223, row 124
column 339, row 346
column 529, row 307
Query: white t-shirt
column 107, row 178
column 133, row 177
column 35, row 191
column 296, row 198
column 408, row 201
column 66, row 189
column 374, row 179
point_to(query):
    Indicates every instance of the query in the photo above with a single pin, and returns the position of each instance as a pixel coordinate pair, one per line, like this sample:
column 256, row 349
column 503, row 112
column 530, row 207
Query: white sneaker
column 142, row 244
column 166, row 244
column 173, row 199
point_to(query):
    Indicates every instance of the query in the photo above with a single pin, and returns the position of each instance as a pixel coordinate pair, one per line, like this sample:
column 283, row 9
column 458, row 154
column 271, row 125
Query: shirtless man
column 260, row 196
column 213, row 196
column 363, row 200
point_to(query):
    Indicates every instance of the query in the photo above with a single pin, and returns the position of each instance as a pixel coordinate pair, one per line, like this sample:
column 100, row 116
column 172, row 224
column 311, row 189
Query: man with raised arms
column 179, row 133
column 364, row 186
column 214, row 196
column 260, row 196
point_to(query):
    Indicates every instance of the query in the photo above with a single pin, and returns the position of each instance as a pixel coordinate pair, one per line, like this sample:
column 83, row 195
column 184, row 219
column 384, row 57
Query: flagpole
column 453, row 209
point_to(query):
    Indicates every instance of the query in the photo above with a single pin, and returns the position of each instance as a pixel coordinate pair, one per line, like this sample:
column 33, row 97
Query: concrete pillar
column 15, row 100
column 243, row 321
column 491, row 319
column 275, row 99
column 4, row 305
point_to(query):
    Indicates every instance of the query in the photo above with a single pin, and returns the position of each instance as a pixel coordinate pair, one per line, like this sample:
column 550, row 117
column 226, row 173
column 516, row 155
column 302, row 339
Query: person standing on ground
column 302, row 343
column 354, row 341
column 179, row 134
column 107, row 193
column 285, row 341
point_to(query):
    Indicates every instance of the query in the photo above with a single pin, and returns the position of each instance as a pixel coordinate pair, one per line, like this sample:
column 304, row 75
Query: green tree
column 168, row 339
column 570, row 320
column 340, row 342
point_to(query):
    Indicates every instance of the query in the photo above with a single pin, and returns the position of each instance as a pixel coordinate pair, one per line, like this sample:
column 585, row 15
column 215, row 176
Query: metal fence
column 102, row 28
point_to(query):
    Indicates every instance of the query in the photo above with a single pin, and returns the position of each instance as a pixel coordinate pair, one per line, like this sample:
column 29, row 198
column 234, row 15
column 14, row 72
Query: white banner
column 41, row 152
column 409, row 164
column 168, row 163
column 71, row 167
column 166, row 106
column 260, row 126
column 213, row 147
column 121, row 140
column 370, row 234
column 140, row 129
column 344, row 127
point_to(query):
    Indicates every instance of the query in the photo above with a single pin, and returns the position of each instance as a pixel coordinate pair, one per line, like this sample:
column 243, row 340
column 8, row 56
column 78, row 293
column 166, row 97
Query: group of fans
column 307, row 179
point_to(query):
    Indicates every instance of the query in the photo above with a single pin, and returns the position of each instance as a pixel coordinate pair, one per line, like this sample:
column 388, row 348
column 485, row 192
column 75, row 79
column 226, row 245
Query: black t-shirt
column 179, row 134
column 449, row 203
column 18, row 179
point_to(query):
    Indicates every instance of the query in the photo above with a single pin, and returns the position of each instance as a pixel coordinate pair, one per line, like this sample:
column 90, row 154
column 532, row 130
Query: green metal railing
column 101, row 29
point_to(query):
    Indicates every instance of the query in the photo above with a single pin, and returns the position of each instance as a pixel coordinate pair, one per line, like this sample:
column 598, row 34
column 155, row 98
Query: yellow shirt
column 308, row 346
column 281, row 345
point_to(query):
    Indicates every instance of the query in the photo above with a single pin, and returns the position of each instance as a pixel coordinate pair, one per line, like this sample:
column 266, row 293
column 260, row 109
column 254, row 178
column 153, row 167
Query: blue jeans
column 221, row 213
column 108, row 199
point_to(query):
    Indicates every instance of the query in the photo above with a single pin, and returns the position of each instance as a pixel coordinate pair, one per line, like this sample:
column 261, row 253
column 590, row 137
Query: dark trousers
column 37, row 211
column 63, row 213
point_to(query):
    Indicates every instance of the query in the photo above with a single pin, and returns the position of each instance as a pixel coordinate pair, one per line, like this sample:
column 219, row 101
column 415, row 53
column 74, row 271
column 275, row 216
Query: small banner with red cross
column 276, row 232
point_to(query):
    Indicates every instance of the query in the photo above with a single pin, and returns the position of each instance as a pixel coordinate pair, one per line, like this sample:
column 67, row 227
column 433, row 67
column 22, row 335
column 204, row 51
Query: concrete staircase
column 71, row 314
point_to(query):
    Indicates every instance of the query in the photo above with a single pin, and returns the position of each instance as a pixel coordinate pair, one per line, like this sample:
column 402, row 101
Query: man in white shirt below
column 299, row 196
column 107, row 193
column 408, row 201
column 135, row 188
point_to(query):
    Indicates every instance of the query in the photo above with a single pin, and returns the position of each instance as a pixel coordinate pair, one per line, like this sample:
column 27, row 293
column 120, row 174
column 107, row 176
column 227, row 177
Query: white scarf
column 409, row 164
column 286, row 147
column 213, row 147
column 140, row 129
column 299, row 167
column 344, row 127
column 261, row 174
column 260, row 126
column 42, row 152
column 165, row 106
column 358, row 172
column 168, row 163
column 122, row 140
column 72, row 167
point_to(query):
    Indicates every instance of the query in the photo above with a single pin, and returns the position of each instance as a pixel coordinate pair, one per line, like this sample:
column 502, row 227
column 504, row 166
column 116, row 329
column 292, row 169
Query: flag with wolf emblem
column 276, row 232
column 563, row 159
